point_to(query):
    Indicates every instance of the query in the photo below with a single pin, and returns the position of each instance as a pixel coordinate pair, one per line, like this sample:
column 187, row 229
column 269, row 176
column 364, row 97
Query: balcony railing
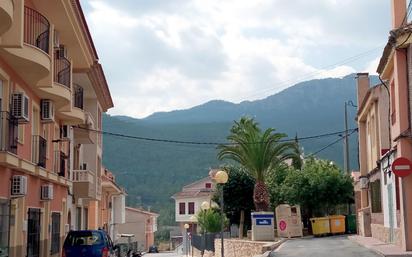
column 78, row 97
column 9, row 127
column 39, row 150
column 36, row 29
column 62, row 68
column 83, row 176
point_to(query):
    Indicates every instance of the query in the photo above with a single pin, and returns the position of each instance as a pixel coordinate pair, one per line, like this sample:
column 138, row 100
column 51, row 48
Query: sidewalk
column 384, row 249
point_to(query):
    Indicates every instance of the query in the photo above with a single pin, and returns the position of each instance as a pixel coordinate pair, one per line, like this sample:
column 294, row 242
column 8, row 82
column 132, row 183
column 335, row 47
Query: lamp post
column 221, row 177
column 204, row 206
column 186, row 226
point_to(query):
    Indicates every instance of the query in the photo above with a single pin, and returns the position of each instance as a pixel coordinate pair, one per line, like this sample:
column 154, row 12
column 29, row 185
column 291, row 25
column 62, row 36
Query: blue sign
column 263, row 222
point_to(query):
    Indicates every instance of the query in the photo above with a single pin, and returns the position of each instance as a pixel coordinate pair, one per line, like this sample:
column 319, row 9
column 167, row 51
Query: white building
column 188, row 203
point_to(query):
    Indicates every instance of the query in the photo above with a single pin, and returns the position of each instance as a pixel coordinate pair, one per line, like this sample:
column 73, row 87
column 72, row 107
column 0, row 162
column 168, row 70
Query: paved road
column 163, row 254
column 338, row 246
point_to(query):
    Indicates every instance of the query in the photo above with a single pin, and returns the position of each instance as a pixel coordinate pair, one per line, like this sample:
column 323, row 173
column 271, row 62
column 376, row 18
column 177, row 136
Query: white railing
column 83, row 176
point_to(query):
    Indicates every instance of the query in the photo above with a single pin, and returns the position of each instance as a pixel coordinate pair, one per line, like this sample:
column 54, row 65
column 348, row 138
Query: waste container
column 337, row 224
column 320, row 226
column 351, row 224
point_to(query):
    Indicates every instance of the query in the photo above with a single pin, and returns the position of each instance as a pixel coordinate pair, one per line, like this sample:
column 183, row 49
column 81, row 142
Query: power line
column 330, row 144
column 206, row 143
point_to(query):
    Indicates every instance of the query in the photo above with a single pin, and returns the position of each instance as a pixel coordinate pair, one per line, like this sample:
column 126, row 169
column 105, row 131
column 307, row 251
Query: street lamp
column 205, row 205
column 221, row 177
column 187, row 226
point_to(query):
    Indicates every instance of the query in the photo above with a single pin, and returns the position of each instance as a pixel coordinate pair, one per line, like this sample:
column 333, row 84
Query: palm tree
column 258, row 152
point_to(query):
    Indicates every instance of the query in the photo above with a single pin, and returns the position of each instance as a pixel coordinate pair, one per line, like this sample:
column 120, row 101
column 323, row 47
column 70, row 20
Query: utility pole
column 346, row 164
column 346, row 161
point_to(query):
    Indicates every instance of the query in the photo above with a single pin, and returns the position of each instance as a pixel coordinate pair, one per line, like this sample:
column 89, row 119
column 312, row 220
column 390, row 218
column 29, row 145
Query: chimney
column 363, row 86
column 398, row 12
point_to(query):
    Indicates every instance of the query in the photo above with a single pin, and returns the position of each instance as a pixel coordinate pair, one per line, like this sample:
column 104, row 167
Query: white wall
column 198, row 202
column 390, row 181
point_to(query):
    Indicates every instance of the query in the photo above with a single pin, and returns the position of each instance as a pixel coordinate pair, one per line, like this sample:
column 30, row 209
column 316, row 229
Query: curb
column 376, row 251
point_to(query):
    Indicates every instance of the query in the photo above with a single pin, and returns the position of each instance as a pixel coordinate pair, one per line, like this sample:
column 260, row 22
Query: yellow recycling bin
column 337, row 224
column 320, row 226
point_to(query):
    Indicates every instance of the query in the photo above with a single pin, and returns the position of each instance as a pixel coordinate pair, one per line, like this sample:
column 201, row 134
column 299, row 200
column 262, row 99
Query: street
column 162, row 254
column 337, row 246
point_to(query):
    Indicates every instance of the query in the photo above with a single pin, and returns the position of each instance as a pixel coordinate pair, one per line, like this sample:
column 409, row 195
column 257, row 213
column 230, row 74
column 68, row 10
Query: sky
column 163, row 55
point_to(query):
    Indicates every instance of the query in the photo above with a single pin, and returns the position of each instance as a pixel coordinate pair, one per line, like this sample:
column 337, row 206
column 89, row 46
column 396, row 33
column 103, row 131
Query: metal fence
column 204, row 242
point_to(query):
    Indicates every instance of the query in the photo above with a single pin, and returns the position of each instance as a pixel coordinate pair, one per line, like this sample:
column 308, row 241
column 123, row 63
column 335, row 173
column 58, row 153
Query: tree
column 210, row 220
column 238, row 195
column 318, row 187
column 257, row 152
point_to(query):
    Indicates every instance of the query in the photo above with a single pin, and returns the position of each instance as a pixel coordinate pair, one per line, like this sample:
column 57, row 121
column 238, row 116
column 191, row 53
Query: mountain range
column 153, row 171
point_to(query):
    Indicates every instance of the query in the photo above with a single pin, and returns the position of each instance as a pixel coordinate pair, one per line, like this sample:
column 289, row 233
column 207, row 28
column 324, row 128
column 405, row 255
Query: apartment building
column 375, row 217
column 113, row 212
column 52, row 91
column 395, row 70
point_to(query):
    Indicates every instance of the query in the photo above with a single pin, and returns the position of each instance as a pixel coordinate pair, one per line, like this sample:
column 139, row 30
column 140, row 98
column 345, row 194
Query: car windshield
column 81, row 238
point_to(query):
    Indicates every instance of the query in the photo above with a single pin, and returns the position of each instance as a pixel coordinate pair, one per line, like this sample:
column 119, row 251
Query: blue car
column 88, row 243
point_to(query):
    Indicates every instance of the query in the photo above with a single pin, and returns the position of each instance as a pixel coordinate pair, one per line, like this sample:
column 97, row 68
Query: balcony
column 32, row 60
column 85, row 184
column 39, row 150
column 6, row 15
column 8, row 133
column 84, row 133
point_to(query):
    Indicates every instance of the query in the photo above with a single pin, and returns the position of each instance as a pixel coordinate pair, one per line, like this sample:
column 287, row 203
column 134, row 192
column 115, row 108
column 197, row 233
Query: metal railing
column 36, row 29
column 39, row 150
column 78, row 96
column 62, row 68
column 9, row 128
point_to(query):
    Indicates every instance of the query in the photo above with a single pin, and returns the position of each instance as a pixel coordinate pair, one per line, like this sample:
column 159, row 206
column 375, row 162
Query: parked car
column 88, row 243
column 153, row 249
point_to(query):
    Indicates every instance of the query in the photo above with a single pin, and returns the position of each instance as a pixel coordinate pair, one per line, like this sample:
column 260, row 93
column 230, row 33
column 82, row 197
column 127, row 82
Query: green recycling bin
column 351, row 224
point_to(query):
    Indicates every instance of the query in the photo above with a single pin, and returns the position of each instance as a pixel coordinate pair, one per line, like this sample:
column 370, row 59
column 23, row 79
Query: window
column 208, row 185
column 33, row 233
column 55, row 233
column 375, row 190
column 85, row 238
column 86, row 218
column 191, row 208
column 4, row 227
column 182, row 208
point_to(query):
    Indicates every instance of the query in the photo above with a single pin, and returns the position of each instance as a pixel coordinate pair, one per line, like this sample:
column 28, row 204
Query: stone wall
column 243, row 248
column 382, row 234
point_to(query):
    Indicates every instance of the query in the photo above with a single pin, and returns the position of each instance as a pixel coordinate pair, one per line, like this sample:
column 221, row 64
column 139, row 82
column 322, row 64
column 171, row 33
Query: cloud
column 165, row 55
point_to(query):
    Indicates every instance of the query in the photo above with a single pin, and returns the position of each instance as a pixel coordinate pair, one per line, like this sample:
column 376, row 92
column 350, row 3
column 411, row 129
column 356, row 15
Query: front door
column 33, row 233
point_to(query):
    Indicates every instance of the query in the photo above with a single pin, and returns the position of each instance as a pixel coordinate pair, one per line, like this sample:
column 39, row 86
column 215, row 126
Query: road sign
column 402, row 167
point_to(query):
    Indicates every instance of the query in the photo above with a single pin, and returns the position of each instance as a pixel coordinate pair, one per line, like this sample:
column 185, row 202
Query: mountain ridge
column 306, row 109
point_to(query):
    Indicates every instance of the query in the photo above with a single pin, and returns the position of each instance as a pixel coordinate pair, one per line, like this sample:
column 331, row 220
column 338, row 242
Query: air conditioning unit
column 47, row 192
column 364, row 182
column 19, row 185
column 47, row 110
column 56, row 42
column 20, row 107
column 65, row 132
